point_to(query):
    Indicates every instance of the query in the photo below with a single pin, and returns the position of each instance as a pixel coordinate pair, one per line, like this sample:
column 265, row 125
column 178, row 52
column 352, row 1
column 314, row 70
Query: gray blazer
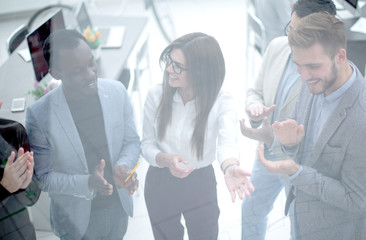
column 60, row 163
column 331, row 189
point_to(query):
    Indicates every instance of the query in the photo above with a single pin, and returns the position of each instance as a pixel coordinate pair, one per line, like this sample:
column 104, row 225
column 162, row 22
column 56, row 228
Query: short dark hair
column 322, row 28
column 58, row 40
column 306, row 7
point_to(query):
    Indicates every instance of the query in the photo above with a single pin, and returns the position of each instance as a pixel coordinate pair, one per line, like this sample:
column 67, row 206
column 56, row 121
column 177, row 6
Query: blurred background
column 150, row 26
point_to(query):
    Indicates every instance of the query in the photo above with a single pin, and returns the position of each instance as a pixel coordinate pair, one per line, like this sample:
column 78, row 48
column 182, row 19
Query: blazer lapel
column 304, row 115
column 278, row 75
column 108, row 111
column 294, row 93
column 63, row 114
column 334, row 121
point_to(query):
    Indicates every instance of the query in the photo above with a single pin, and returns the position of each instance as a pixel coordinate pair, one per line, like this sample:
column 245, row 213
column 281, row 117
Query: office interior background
column 227, row 21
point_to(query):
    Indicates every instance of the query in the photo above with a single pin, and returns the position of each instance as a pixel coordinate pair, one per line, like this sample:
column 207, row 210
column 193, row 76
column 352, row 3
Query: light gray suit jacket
column 331, row 189
column 60, row 162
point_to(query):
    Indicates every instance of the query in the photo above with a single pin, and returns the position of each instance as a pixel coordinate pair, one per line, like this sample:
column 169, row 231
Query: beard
column 330, row 81
column 327, row 83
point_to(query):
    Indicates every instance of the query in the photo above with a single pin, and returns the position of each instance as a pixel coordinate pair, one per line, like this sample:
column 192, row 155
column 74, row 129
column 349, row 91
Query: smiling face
column 317, row 69
column 179, row 80
column 77, row 70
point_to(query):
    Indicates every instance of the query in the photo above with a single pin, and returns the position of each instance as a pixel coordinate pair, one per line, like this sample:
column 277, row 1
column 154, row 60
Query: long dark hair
column 206, row 72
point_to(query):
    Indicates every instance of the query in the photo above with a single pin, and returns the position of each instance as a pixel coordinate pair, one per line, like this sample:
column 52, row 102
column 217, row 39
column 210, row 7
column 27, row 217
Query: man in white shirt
column 324, row 135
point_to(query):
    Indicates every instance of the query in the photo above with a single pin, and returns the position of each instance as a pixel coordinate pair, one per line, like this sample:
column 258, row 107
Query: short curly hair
column 58, row 40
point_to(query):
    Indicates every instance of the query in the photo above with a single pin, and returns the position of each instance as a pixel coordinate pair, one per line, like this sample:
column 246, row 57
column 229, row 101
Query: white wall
column 13, row 6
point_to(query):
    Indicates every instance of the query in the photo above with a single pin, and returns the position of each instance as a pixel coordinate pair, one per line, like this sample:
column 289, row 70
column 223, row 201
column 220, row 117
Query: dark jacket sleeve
column 3, row 193
column 12, row 137
column 5, row 150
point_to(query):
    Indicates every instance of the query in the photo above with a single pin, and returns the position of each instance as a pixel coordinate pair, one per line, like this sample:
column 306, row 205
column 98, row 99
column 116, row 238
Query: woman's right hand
column 173, row 163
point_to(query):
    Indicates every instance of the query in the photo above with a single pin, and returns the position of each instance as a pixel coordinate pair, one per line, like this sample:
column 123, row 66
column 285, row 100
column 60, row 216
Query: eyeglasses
column 176, row 68
column 287, row 28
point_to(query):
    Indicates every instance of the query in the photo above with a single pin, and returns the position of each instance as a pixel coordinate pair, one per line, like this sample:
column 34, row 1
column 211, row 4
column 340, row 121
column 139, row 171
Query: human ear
column 341, row 56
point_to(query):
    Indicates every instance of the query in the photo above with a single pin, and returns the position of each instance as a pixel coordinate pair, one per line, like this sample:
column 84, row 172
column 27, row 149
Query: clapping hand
column 287, row 166
column 288, row 132
column 29, row 172
column 257, row 111
column 262, row 134
column 18, row 174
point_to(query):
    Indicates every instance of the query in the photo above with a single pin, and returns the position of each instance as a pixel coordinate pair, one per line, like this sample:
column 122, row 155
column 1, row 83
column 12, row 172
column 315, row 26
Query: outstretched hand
column 97, row 181
column 287, row 166
column 288, row 132
column 262, row 134
column 257, row 111
column 237, row 182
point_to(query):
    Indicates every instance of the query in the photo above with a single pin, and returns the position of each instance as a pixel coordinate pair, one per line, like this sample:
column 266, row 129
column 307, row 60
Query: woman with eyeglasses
column 188, row 123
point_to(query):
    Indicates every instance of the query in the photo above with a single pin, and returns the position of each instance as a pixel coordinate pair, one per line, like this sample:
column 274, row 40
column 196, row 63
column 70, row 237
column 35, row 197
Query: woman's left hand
column 238, row 183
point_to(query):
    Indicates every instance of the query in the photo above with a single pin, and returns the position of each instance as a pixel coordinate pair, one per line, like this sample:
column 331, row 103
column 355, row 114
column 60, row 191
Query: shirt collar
column 178, row 98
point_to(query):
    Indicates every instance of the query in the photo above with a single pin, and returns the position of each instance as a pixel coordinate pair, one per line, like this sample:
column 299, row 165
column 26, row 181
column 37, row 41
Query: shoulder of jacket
column 45, row 100
column 279, row 43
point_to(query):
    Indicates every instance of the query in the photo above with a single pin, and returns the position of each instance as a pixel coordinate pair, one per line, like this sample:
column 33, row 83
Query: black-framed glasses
column 176, row 68
column 287, row 28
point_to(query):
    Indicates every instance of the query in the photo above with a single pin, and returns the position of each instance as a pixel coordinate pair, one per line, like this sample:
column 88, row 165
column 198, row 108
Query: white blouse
column 221, row 134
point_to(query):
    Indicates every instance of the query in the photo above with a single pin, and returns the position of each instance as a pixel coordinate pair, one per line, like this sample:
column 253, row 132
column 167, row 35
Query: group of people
column 308, row 110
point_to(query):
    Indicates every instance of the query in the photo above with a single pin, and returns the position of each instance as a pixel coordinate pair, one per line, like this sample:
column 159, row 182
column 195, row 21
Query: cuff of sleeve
column 290, row 151
column 255, row 124
column 297, row 173
column 3, row 192
column 120, row 163
column 228, row 153
column 228, row 166
column 153, row 159
column 272, row 146
column 86, row 191
column 150, row 157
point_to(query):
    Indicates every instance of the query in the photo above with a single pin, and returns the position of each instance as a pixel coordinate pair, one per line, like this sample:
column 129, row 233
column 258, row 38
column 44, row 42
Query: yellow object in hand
column 133, row 170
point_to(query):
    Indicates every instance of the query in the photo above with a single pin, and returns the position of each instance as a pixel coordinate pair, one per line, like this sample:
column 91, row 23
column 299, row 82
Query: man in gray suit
column 85, row 142
column 276, row 87
column 325, row 135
